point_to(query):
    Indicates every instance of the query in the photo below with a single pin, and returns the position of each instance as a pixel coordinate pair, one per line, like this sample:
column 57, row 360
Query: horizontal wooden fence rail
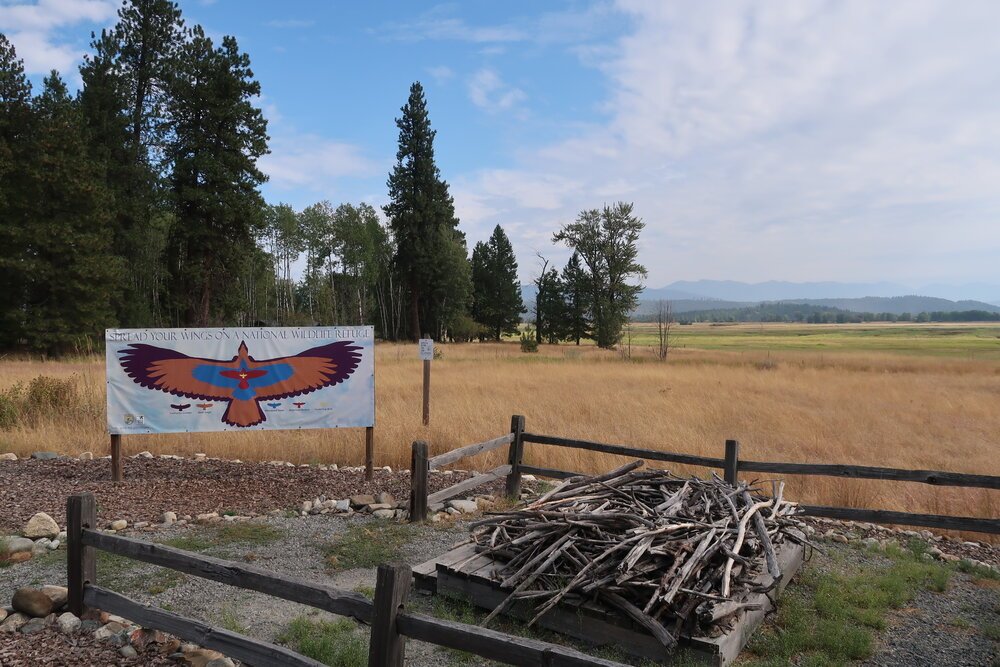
column 391, row 623
column 731, row 465
column 469, row 450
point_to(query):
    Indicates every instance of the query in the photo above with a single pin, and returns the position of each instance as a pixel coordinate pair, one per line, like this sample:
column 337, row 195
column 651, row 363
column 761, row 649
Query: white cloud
column 488, row 91
column 446, row 28
column 441, row 74
column 290, row 23
column 33, row 28
column 305, row 161
column 795, row 140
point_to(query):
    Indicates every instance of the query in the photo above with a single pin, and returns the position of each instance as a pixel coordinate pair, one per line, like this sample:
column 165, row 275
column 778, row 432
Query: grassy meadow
column 903, row 395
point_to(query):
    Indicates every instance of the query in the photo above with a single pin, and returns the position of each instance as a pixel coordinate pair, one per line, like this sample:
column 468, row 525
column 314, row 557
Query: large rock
column 86, row 456
column 44, row 456
column 168, row 518
column 3, row 614
column 33, row 626
column 464, row 506
column 14, row 622
column 68, row 623
column 362, row 500
column 41, row 525
column 201, row 657
column 58, row 594
column 33, row 602
column 18, row 544
column 8, row 456
column 384, row 514
column 385, row 498
column 119, row 524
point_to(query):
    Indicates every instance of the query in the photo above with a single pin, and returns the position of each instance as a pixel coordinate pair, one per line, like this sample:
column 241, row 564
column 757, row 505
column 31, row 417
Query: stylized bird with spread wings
column 241, row 381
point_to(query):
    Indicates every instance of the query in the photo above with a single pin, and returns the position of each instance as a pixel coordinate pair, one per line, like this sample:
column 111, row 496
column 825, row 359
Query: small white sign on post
column 426, row 349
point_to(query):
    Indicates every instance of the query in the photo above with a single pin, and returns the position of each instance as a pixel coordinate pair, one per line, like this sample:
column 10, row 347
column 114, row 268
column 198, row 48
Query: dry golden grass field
column 892, row 395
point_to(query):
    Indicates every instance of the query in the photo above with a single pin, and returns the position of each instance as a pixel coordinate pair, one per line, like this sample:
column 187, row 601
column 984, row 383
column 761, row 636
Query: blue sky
column 786, row 140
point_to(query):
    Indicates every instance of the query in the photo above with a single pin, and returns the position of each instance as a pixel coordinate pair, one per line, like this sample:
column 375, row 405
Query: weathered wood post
column 732, row 469
column 514, row 456
column 369, row 452
column 392, row 586
column 418, row 482
column 427, row 354
column 116, row 457
column 81, row 564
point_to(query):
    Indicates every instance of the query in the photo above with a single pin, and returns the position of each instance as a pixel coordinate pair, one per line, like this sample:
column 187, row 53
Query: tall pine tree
column 575, row 322
column 16, row 122
column 497, row 301
column 217, row 136
column 421, row 215
column 72, row 273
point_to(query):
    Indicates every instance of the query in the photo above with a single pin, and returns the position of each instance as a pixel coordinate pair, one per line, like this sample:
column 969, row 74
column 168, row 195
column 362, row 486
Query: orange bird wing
column 171, row 371
column 311, row 370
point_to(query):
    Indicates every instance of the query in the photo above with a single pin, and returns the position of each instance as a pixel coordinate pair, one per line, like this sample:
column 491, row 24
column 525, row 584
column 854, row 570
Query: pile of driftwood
column 676, row 555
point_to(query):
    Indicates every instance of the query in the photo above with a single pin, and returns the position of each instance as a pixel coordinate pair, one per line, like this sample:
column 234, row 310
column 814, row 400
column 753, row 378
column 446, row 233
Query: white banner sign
column 194, row 380
column 427, row 349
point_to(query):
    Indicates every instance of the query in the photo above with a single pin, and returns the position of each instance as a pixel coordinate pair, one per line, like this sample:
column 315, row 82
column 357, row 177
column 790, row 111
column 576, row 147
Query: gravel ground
column 936, row 629
column 51, row 647
column 154, row 486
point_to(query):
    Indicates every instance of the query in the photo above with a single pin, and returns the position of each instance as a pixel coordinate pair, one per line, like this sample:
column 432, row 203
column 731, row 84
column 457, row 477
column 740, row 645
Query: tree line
column 136, row 202
column 812, row 314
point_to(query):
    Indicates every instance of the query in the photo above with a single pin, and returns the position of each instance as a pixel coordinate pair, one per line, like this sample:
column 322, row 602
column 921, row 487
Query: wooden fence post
column 514, row 456
column 116, row 457
column 392, row 586
column 732, row 467
column 81, row 565
column 369, row 452
column 418, row 482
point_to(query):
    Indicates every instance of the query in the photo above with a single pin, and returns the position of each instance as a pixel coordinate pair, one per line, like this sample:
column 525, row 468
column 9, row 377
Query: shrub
column 528, row 342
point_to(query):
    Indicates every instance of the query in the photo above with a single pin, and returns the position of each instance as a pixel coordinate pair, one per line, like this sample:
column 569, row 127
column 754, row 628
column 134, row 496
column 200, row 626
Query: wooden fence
column 731, row 464
column 390, row 622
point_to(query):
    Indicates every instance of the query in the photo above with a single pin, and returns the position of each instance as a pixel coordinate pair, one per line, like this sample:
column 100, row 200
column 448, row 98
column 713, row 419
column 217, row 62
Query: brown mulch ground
column 51, row 647
column 154, row 486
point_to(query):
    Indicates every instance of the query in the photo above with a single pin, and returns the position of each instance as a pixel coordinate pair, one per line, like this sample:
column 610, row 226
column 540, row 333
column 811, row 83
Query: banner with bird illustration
column 232, row 379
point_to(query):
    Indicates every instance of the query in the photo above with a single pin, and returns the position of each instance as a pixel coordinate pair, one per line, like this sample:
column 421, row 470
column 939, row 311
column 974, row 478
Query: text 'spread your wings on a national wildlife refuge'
column 187, row 380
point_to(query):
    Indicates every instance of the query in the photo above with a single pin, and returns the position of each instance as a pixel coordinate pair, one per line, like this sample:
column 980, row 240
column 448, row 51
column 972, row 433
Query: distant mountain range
column 884, row 297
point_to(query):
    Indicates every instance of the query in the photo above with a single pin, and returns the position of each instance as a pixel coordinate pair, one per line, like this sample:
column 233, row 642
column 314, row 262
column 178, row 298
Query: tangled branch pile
column 664, row 550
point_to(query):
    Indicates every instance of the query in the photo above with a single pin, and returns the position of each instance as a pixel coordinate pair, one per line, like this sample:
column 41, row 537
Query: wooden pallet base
column 465, row 575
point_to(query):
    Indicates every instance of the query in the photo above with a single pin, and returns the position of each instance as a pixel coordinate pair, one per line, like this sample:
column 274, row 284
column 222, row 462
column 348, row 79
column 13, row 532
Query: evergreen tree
column 497, row 301
column 72, row 273
column 124, row 102
column 549, row 310
column 575, row 324
column 607, row 241
column 421, row 215
column 16, row 121
column 217, row 137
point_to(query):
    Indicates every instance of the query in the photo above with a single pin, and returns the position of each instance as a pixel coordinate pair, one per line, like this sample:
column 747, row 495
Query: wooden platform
column 465, row 575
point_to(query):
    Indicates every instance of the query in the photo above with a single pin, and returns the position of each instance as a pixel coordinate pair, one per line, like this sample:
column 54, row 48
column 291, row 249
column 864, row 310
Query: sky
column 770, row 140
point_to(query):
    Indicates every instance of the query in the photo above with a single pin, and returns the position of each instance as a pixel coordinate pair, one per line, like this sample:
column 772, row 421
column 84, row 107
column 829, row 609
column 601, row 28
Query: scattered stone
column 362, row 500
column 343, row 505
column 384, row 514
column 528, row 478
column 171, row 646
column 40, row 547
column 220, row 662
column 140, row 524
column 87, row 456
column 120, row 524
column 3, row 614
column 19, row 557
column 451, row 510
column 200, row 456
column 209, row 517
column 108, row 630
column 950, row 558
column 54, row 544
column 41, row 525
column 33, row 626
column 464, row 506
column 33, row 602
column 201, row 657
column 68, row 623
column 375, row 507
column 385, row 498
column 8, row 456
column 329, row 504
column 89, row 625
column 127, row 651
column 870, row 543
column 144, row 455
column 168, row 518
column 14, row 622
column 143, row 637
column 306, row 506
column 19, row 544
column 44, row 456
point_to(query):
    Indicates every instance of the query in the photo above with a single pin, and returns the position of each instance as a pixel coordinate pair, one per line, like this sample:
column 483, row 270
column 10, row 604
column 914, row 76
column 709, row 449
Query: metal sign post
column 427, row 354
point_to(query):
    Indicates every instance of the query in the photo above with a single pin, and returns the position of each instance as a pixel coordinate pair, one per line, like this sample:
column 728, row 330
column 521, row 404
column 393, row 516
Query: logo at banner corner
column 243, row 382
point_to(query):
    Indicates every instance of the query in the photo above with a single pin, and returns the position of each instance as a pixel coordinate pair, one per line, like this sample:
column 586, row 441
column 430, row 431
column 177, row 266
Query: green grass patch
column 830, row 617
column 230, row 621
column 367, row 591
column 163, row 580
column 231, row 533
column 337, row 643
column 991, row 630
column 977, row 571
column 367, row 544
column 114, row 571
